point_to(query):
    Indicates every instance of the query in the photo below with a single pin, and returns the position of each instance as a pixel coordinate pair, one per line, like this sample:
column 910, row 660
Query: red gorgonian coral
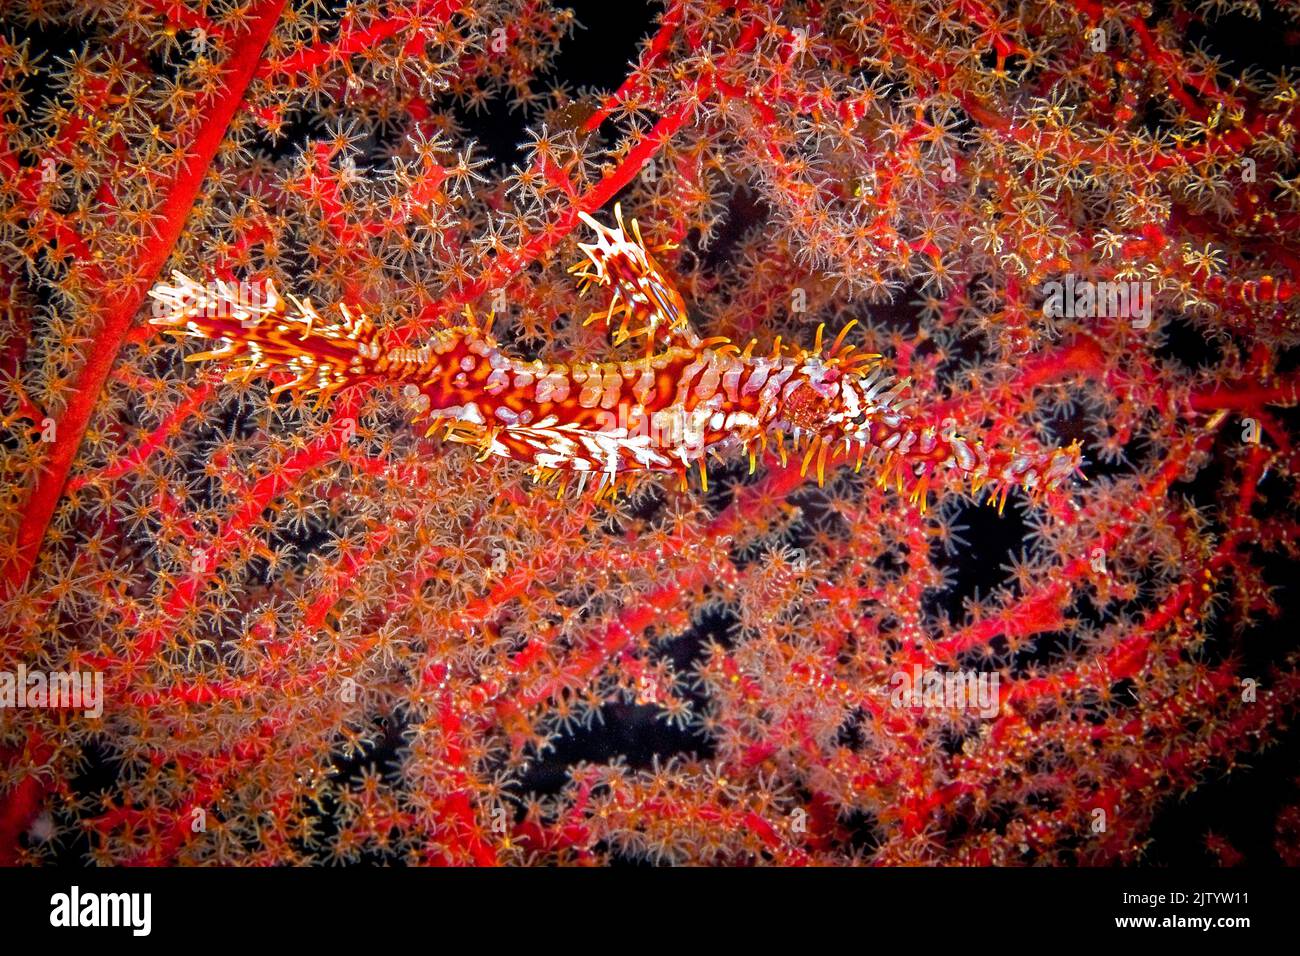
column 1064, row 228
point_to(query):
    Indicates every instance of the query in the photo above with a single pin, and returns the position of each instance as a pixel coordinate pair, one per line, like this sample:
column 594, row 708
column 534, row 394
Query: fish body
column 685, row 400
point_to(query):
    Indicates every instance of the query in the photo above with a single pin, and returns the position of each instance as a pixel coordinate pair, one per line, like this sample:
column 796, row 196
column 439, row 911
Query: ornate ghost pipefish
column 686, row 399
